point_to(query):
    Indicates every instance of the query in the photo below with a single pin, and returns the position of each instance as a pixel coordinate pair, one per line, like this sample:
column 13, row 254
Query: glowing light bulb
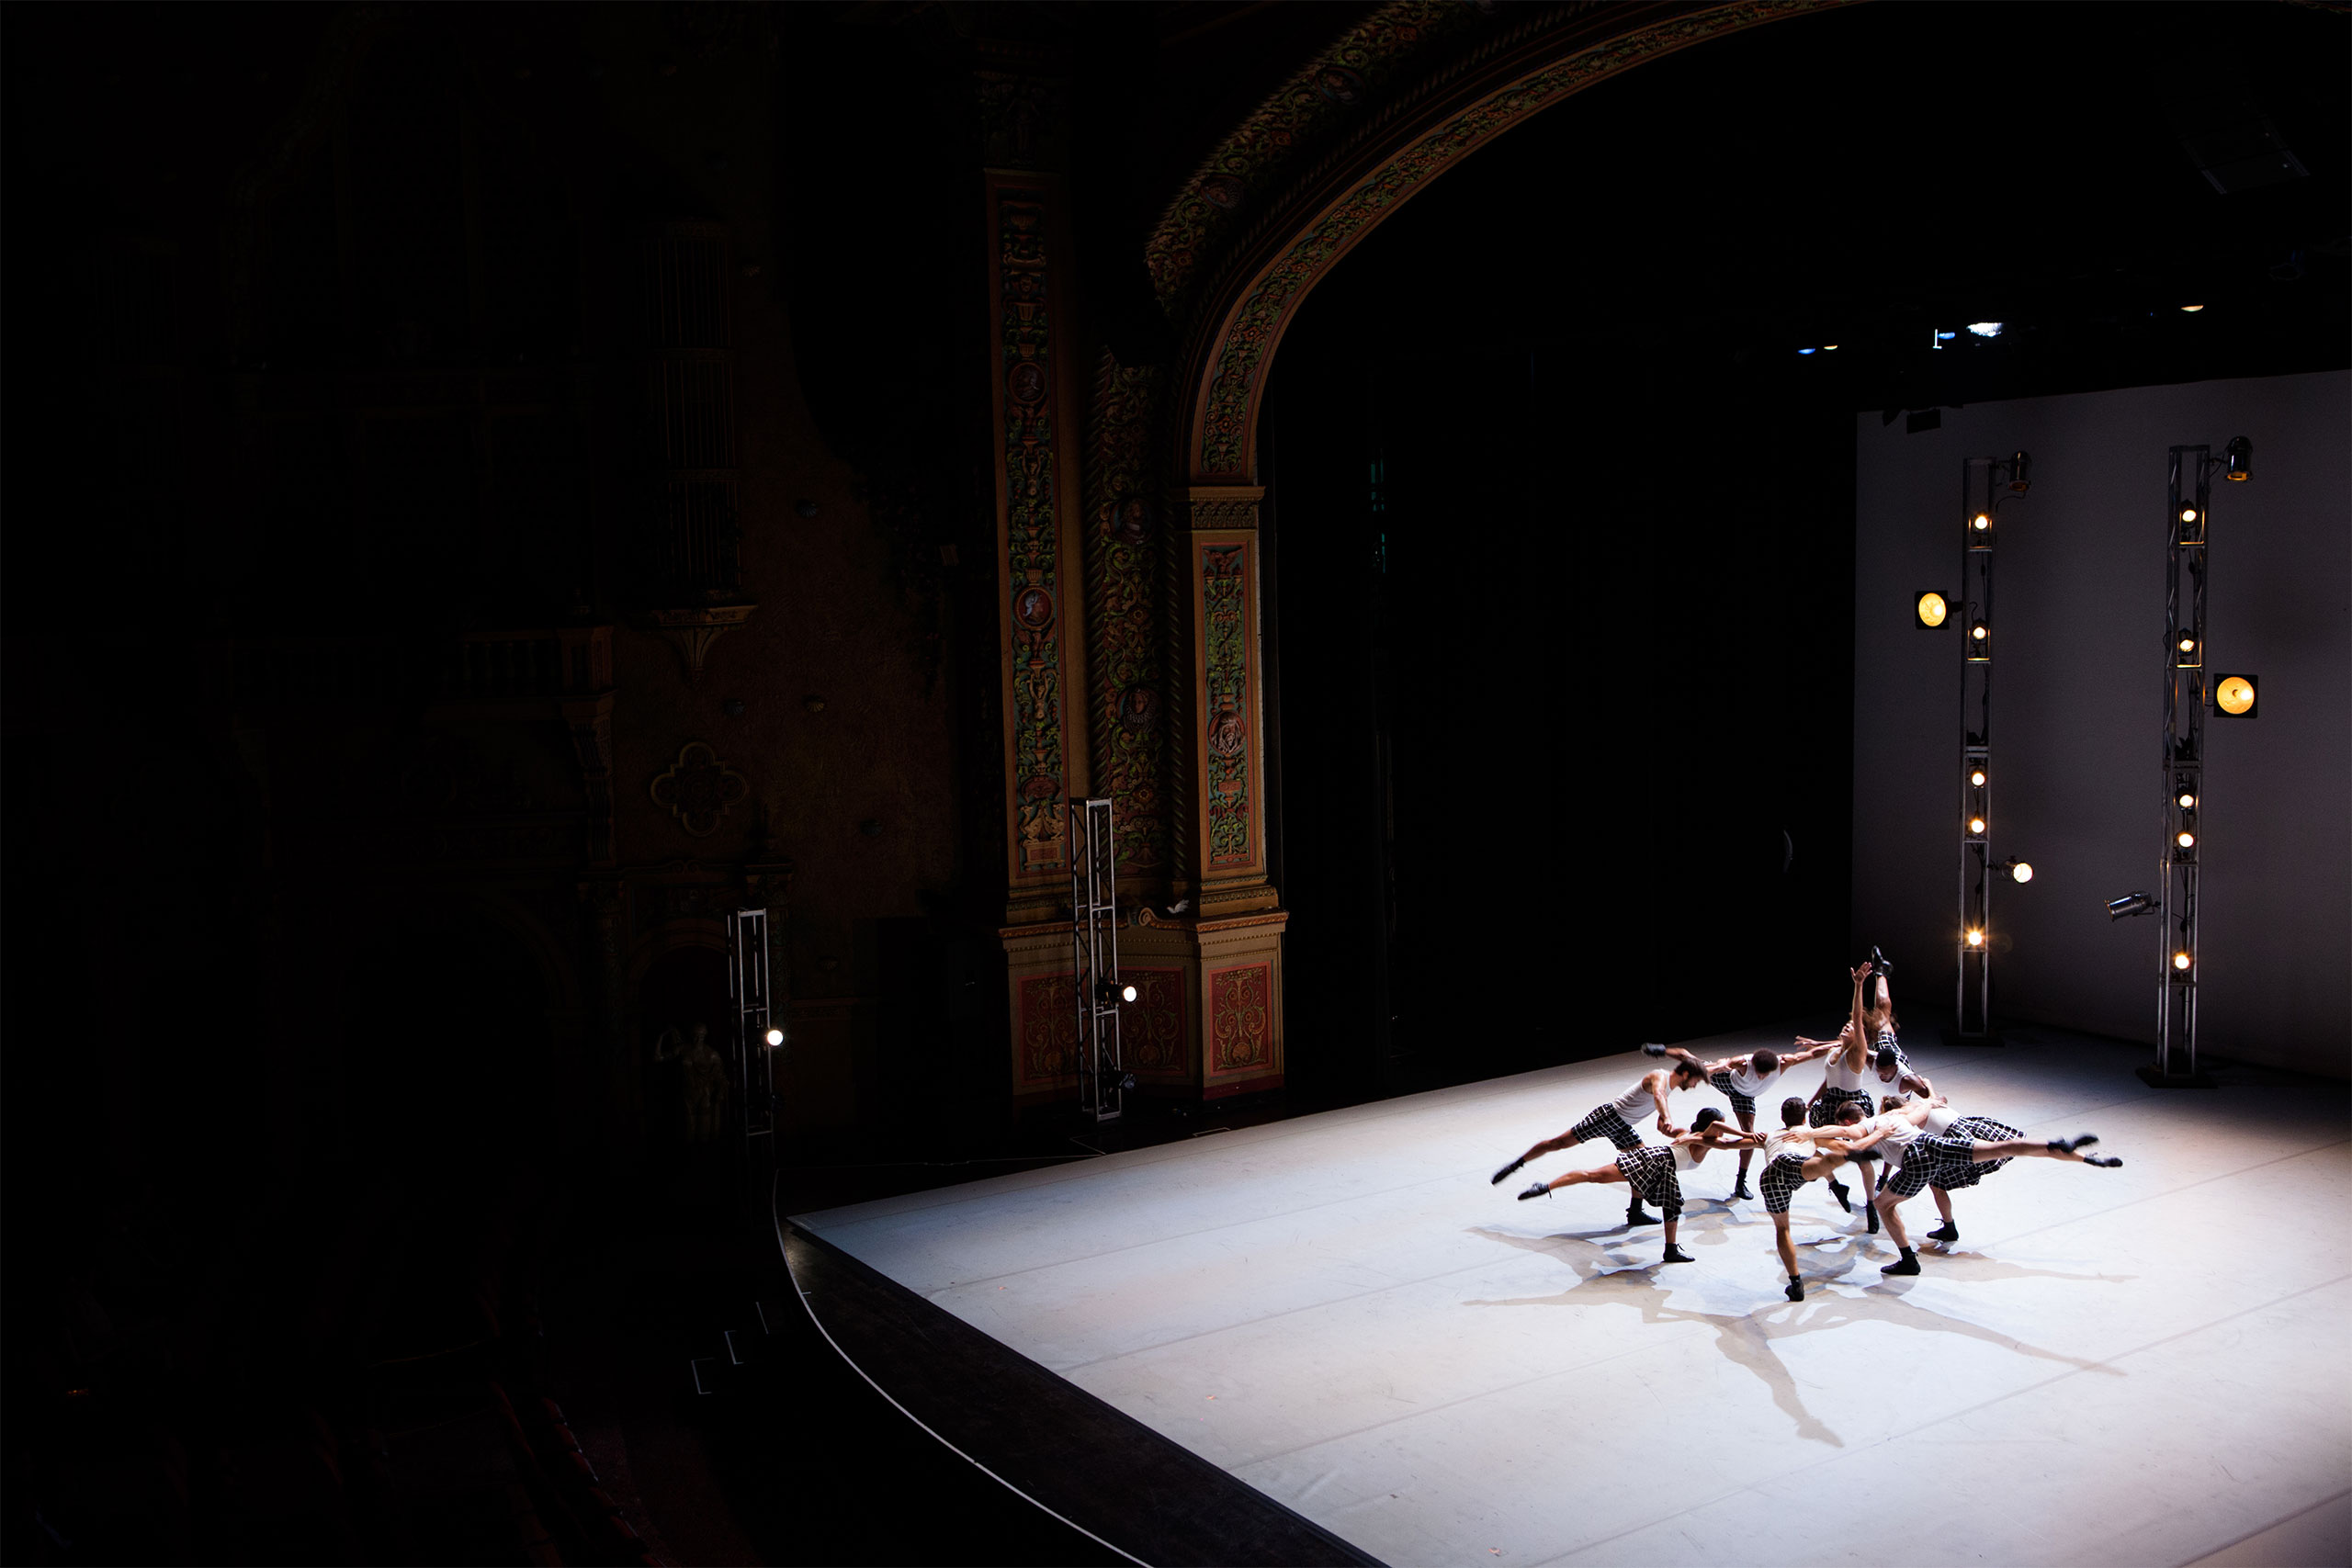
column 1977, row 778
column 1977, row 631
column 1127, row 993
column 1976, row 824
column 2189, row 514
column 2235, row 694
column 2180, row 960
column 1933, row 611
column 2187, row 802
column 2186, row 839
column 1980, row 521
column 2022, row 872
column 2193, row 310
column 2189, row 645
column 1975, row 939
column 776, row 1036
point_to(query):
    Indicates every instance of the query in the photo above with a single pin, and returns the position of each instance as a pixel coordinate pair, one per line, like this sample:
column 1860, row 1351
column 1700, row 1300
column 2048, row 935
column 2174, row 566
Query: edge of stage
column 1307, row 1341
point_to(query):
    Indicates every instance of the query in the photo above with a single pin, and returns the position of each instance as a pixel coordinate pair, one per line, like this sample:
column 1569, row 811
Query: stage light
column 1977, row 631
column 776, row 1036
column 2018, row 870
column 1808, row 351
column 2193, row 310
column 1976, row 777
column 2021, row 472
column 2189, row 645
column 2130, row 904
column 1980, row 522
column 2186, row 841
column 1128, row 993
column 1828, row 348
column 1976, row 824
column 2189, row 514
column 2237, row 459
column 2187, row 802
column 1933, row 609
column 2180, row 960
column 1985, row 329
column 1975, row 939
column 2234, row 696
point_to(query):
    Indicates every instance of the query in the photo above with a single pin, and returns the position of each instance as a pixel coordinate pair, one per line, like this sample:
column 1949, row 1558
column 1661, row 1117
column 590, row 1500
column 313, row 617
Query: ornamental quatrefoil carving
column 698, row 788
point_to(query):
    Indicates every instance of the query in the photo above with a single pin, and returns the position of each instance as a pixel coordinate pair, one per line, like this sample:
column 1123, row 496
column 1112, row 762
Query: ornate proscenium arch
column 1241, row 317
column 1170, row 519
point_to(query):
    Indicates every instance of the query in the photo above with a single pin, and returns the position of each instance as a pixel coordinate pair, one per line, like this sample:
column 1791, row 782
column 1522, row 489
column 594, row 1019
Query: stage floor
column 2111, row 1367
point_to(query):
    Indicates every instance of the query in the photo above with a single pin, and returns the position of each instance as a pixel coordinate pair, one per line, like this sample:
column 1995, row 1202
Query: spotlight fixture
column 1932, row 608
column 1976, row 631
column 2188, row 801
column 2130, row 904
column 2193, row 310
column 2235, row 696
column 2237, row 459
column 2189, row 514
column 2018, row 870
column 2021, row 473
column 1980, row 522
column 776, row 1037
column 2186, row 841
column 2180, row 960
column 1976, row 777
column 1975, row 939
column 1976, row 824
column 1985, row 329
column 1128, row 993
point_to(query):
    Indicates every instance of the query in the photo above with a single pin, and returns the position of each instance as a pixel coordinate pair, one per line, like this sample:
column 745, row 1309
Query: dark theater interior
column 569, row 569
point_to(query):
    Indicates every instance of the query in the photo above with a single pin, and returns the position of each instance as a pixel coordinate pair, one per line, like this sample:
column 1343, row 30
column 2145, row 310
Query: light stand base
column 2156, row 1077
column 1990, row 1037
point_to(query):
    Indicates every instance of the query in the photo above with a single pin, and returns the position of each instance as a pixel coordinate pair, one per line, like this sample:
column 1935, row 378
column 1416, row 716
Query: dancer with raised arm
column 1743, row 1081
column 1947, row 1153
column 1853, row 1064
column 1654, row 1172
column 1615, row 1122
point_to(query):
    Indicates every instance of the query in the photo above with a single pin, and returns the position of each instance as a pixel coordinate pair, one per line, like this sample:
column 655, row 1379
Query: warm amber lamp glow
column 2189, row 514
column 2186, row 839
column 1933, row 611
column 1977, row 631
column 2187, row 802
column 1975, row 939
column 776, row 1036
column 2180, row 960
column 2022, row 872
column 1981, row 521
column 2189, row 645
column 2235, row 694
column 1976, row 824
column 1977, row 778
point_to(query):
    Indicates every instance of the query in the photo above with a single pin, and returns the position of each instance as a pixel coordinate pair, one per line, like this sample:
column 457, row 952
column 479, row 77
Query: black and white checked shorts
column 1739, row 1103
column 1946, row 1161
column 1607, row 1122
column 1650, row 1172
column 1780, row 1182
column 1824, row 1109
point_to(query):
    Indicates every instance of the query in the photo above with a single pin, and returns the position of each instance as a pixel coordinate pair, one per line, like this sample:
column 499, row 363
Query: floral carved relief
column 1224, row 606
column 698, row 789
column 1032, row 538
column 1240, row 1019
column 1152, row 1028
column 1048, row 1028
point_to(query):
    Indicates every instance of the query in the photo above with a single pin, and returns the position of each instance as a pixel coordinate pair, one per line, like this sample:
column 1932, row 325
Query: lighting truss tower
column 748, row 989
column 2188, row 486
column 1984, row 484
column 1094, row 948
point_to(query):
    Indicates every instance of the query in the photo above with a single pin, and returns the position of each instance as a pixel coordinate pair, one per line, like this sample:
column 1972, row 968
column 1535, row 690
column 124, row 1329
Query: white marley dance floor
column 2111, row 1367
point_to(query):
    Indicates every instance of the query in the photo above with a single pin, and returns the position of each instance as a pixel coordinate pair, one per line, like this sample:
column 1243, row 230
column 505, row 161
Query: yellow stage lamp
column 1976, row 777
column 2180, row 960
column 2187, row 802
column 2189, row 514
column 1978, row 631
column 2186, row 840
column 1980, row 522
column 1976, row 824
column 2235, row 696
column 1933, row 609
column 776, row 1036
column 1975, row 939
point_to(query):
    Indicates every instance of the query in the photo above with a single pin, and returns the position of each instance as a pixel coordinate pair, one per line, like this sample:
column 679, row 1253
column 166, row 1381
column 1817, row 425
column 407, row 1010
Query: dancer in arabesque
column 1654, row 1171
column 1616, row 1120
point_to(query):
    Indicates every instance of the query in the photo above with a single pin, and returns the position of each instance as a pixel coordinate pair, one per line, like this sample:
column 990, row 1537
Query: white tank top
column 1743, row 1079
column 1837, row 1075
column 1778, row 1142
column 1941, row 1119
column 1686, row 1157
column 1900, row 1135
column 1638, row 1104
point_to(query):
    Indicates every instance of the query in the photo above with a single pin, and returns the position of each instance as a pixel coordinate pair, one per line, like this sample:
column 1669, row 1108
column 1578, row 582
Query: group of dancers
column 1914, row 1134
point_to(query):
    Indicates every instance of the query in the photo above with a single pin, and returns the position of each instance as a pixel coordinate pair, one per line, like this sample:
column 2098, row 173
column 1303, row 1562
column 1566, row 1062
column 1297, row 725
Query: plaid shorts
column 1739, row 1103
column 1606, row 1123
column 1650, row 1173
column 1824, row 1109
column 1947, row 1160
column 1780, row 1182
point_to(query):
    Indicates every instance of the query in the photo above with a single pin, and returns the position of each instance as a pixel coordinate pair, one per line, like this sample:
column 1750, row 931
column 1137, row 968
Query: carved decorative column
column 1040, row 571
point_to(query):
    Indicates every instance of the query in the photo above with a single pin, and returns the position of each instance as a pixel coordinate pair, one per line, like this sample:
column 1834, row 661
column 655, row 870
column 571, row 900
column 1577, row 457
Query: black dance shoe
column 1838, row 1190
column 1675, row 1254
column 1741, row 1191
column 2068, row 1145
column 2105, row 1162
column 1637, row 1215
column 1947, row 1232
column 1906, row 1264
column 1535, row 1189
column 1496, row 1179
